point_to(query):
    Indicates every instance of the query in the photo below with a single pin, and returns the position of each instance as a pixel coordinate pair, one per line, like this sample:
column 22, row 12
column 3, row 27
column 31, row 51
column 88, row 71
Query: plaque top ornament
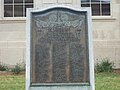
column 58, row 18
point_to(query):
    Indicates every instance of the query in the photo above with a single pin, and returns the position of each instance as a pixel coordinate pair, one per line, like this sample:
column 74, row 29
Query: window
column 99, row 7
column 16, row 8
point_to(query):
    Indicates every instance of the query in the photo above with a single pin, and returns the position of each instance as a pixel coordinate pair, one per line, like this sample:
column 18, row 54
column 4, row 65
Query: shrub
column 23, row 66
column 3, row 67
column 104, row 66
column 17, row 69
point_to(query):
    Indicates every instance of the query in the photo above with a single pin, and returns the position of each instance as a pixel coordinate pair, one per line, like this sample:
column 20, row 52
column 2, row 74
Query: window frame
column 98, row 16
column 111, row 17
column 23, row 17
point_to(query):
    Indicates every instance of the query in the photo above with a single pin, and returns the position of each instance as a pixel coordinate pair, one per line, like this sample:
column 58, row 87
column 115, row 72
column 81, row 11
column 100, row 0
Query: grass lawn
column 107, row 81
column 104, row 81
column 12, row 82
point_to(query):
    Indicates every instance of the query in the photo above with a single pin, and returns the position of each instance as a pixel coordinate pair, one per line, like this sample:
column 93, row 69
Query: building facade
column 105, row 25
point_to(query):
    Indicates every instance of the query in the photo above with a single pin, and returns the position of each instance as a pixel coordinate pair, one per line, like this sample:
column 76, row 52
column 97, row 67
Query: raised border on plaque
column 91, row 66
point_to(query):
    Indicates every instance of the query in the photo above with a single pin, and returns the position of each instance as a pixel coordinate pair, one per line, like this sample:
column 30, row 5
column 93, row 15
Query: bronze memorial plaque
column 59, row 47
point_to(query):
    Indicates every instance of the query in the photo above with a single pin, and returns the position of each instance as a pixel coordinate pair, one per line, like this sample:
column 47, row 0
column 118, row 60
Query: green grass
column 12, row 82
column 107, row 81
column 103, row 81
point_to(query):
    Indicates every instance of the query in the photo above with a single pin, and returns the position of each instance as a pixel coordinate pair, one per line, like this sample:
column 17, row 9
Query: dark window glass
column 27, row 6
column 95, row 9
column 85, row 0
column 28, row 1
column 106, row 9
column 85, row 5
column 8, row 10
column 18, row 1
column 105, row 1
column 99, row 7
column 18, row 10
column 8, row 1
column 96, row 1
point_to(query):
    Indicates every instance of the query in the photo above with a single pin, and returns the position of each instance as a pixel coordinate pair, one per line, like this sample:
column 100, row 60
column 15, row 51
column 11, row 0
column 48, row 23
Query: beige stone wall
column 12, row 42
column 106, row 31
column 46, row 3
